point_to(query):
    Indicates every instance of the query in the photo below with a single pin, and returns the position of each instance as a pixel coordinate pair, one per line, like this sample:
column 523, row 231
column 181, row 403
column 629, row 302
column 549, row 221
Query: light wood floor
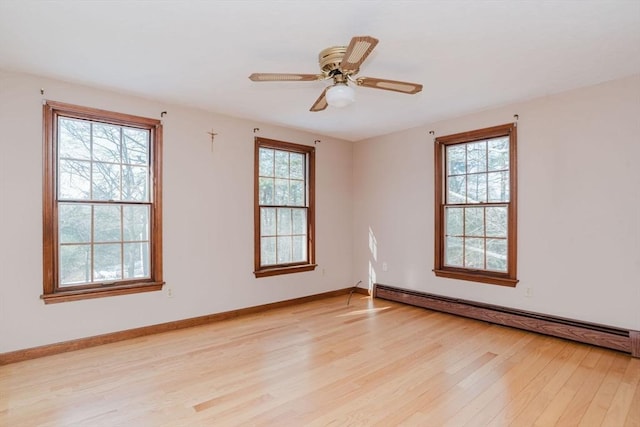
column 326, row 364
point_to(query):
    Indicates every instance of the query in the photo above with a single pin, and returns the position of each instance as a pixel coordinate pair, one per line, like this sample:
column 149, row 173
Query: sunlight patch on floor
column 364, row 311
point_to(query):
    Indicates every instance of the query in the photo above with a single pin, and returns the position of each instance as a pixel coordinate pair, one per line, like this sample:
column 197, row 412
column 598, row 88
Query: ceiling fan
column 341, row 64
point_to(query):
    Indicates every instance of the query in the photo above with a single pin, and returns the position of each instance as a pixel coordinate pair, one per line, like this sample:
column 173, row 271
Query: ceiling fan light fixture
column 340, row 95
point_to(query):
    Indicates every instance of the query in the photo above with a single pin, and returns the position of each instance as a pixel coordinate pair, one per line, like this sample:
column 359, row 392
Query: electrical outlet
column 385, row 267
column 528, row 292
column 170, row 292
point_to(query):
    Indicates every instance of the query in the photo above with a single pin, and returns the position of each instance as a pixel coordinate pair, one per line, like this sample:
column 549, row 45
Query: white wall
column 579, row 212
column 578, row 200
column 208, row 219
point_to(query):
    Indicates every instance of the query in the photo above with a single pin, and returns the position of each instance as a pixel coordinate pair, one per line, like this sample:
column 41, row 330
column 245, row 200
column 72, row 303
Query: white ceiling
column 469, row 55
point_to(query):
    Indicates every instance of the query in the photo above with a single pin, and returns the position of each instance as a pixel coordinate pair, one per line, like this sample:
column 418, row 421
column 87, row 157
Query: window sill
column 80, row 294
column 275, row 271
column 477, row 277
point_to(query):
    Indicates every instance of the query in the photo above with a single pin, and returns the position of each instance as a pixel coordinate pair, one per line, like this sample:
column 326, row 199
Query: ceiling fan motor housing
column 330, row 60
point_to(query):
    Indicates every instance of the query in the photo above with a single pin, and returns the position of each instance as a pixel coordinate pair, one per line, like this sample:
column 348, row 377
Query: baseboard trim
column 77, row 344
column 624, row 340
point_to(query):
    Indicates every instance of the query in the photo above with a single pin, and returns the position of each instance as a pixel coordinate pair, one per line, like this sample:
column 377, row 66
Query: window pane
column 106, row 181
column 266, row 191
column 454, row 224
column 456, row 159
column 74, row 222
column 296, row 165
column 296, row 193
column 453, row 251
column 474, row 222
column 457, row 191
column 477, row 188
column 299, row 250
column 75, row 264
column 282, row 164
column 267, row 221
column 106, row 143
column 136, row 260
column 299, row 221
column 74, row 139
column 474, row 253
column 284, row 221
column 267, row 251
column 284, row 250
column 282, row 192
column 266, row 162
column 135, row 149
column 477, row 157
column 497, row 221
column 497, row 254
column 107, row 262
column 106, row 223
column 136, row 223
column 74, row 180
column 499, row 154
column 498, row 186
column 135, row 183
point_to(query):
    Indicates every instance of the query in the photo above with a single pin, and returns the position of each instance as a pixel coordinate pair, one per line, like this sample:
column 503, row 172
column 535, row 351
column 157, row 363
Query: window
column 102, row 216
column 475, row 206
column 284, row 207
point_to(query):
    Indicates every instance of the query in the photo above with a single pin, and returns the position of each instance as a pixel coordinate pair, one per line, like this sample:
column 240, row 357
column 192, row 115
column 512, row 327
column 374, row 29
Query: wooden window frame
column 52, row 292
column 278, row 269
column 483, row 276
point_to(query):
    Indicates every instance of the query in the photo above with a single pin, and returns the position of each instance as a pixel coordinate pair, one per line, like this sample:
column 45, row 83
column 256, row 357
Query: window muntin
column 102, row 199
column 475, row 205
column 284, row 207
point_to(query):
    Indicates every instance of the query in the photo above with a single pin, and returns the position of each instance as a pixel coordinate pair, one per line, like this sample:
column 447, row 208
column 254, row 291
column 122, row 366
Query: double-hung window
column 284, row 207
column 475, row 206
column 102, row 216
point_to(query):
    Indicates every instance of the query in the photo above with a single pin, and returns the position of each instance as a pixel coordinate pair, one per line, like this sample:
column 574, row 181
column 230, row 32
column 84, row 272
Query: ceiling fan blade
column 284, row 77
column 357, row 51
column 394, row 85
column 321, row 102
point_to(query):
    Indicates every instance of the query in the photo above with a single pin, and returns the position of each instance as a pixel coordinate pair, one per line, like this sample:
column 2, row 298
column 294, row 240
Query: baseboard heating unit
column 624, row 340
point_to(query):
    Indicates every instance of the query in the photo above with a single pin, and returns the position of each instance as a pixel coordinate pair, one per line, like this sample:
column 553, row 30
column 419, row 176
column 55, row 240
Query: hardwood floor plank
column 622, row 403
column 402, row 389
column 554, row 410
column 587, row 389
column 323, row 363
column 440, row 376
column 485, row 406
column 517, row 373
column 528, row 394
column 633, row 417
